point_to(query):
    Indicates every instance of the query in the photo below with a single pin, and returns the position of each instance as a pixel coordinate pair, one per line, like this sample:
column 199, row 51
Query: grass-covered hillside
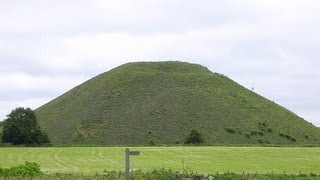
column 161, row 102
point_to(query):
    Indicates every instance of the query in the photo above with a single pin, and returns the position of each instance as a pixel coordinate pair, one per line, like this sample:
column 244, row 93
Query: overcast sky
column 49, row 46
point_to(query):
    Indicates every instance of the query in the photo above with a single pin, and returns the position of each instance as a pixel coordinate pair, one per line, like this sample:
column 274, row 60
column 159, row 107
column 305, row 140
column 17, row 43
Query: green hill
column 162, row 102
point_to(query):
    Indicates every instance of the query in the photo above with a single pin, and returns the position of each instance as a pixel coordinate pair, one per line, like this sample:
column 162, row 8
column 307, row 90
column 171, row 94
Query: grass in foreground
column 92, row 160
column 31, row 170
column 162, row 174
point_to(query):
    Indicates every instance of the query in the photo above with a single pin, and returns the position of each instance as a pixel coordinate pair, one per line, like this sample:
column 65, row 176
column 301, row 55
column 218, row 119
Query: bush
column 260, row 133
column 139, row 174
column 253, row 133
column 262, row 124
column 152, row 143
column 313, row 175
column 230, row 130
column 288, row 137
column 28, row 169
column 293, row 139
column 111, row 175
column 194, row 137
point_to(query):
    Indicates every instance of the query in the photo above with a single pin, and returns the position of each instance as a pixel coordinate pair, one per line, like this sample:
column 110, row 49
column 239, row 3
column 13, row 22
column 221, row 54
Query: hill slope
column 163, row 101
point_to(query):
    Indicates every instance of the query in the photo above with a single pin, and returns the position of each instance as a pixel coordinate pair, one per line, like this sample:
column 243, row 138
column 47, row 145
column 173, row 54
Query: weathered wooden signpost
column 129, row 153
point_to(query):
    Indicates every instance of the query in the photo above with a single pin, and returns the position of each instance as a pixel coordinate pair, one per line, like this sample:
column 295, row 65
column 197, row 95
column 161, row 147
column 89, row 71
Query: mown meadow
column 93, row 160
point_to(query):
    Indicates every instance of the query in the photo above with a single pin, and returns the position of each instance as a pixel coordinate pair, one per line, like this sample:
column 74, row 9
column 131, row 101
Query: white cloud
column 7, row 106
column 23, row 81
column 48, row 47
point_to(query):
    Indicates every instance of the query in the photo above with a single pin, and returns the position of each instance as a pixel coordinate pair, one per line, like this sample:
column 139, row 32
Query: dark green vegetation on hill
column 161, row 102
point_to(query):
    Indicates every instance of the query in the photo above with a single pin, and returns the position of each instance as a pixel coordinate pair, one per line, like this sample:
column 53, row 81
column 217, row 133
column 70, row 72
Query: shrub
column 270, row 130
column 152, row 143
column 111, row 175
column 253, row 133
column 282, row 134
column 194, row 137
column 313, row 175
column 263, row 124
column 247, row 135
column 288, row 137
column 27, row 169
column 260, row 133
column 260, row 141
column 230, row 130
column 293, row 139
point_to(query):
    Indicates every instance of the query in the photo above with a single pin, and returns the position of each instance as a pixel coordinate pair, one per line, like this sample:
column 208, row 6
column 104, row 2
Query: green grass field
column 90, row 160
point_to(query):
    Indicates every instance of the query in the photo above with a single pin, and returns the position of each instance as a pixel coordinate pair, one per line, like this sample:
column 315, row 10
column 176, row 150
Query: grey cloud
column 268, row 45
column 18, row 95
column 107, row 16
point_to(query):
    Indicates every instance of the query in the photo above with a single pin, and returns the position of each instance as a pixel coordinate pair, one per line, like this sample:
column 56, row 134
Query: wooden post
column 127, row 164
column 129, row 153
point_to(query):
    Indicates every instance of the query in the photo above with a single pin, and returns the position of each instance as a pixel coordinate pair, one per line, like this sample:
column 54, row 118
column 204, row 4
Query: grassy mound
column 161, row 102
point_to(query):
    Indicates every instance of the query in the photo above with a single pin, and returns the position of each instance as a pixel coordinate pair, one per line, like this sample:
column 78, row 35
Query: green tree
column 1, row 124
column 21, row 127
column 194, row 137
